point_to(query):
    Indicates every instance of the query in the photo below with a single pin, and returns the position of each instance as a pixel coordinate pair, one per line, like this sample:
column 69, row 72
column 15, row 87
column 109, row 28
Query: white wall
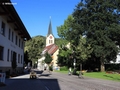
column 8, row 44
column 118, row 58
column 48, row 38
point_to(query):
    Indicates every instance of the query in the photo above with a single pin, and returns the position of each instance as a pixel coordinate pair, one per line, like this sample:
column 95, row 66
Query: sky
column 35, row 14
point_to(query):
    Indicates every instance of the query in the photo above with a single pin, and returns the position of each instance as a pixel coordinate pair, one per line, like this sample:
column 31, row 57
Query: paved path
column 58, row 81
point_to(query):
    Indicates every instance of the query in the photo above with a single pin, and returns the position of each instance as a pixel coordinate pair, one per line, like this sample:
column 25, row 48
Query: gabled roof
column 51, row 49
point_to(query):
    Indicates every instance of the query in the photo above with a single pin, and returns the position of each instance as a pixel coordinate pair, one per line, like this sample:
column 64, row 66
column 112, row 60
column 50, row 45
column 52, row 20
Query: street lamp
column 74, row 63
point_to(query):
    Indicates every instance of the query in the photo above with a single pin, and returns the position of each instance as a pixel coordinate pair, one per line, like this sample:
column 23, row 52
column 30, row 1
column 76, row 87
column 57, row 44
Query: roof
column 50, row 29
column 7, row 10
column 51, row 49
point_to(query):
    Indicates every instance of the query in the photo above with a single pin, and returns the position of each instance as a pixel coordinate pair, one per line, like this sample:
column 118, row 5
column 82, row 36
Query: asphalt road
column 58, row 81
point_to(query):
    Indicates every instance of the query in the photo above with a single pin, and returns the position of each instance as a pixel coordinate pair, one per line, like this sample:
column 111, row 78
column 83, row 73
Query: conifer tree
column 99, row 21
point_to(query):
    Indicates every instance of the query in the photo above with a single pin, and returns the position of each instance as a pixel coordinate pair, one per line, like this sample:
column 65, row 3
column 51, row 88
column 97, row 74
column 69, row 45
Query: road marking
column 46, row 88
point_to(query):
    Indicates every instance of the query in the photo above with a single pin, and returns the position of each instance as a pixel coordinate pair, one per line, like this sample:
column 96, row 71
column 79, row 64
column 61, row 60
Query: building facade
column 13, row 34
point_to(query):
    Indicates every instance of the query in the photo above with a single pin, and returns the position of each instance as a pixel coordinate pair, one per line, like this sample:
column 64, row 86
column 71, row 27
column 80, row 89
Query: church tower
column 49, row 38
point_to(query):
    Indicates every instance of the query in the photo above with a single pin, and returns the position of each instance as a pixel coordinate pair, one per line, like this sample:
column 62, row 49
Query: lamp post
column 74, row 63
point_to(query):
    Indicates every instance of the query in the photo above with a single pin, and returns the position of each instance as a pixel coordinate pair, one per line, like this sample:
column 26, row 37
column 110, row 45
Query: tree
column 99, row 21
column 77, row 43
column 26, row 57
column 34, row 48
column 83, row 51
column 65, row 57
column 48, row 58
column 65, row 29
column 64, row 32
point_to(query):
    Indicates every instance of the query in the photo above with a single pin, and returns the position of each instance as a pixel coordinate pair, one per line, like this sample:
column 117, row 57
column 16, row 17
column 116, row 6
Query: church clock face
column 50, row 37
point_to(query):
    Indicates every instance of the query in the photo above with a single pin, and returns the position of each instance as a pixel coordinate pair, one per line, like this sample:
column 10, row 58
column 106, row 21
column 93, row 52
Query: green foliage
column 64, row 68
column 64, row 58
column 50, row 68
column 34, row 48
column 99, row 22
column 112, row 67
column 65, row 29
column 83, row 50
column 26, row 57
column 60, row 42
column 48, row 58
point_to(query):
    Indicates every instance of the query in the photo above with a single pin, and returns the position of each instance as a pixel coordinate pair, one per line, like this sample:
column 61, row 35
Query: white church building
column 51, row 48
column 13, row 34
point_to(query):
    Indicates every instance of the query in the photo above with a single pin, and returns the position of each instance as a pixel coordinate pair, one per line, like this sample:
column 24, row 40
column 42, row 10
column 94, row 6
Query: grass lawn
column 101, row 75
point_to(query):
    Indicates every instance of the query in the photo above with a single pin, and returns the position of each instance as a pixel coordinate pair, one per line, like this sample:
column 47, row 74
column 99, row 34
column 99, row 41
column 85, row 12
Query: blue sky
column 35, row 14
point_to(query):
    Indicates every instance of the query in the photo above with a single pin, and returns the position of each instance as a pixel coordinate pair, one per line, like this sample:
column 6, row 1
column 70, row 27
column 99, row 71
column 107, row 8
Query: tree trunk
column 102, row 66
column 80, row 73
column 81, row 67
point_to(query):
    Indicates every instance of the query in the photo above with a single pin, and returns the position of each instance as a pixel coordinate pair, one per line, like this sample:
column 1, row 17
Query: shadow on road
column 31, row 84
column 39, row 72
column 46, row 75
column 23, row 82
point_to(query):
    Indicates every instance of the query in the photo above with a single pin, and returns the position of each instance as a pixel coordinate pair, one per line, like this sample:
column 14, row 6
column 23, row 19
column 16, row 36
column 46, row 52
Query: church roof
column 51, row 49
column 50, row 29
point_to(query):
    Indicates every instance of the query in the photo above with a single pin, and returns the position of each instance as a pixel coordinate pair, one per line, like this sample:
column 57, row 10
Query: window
column 16, row 40
column 12, row 36
column 9, row 34
column 1, row 52
column 22, row 45
column 8, row 55
column 3, row 29
column 21, row 59
column 11, row 55
column 19, row 42
column 18, row 58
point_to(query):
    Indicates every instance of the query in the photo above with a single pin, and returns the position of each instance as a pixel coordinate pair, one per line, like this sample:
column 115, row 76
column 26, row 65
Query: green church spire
column 50, row 28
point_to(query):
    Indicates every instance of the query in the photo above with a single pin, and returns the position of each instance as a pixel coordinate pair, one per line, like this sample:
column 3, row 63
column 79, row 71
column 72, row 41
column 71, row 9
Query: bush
column 64, row 68
column 50, row 68
column 74, row 72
